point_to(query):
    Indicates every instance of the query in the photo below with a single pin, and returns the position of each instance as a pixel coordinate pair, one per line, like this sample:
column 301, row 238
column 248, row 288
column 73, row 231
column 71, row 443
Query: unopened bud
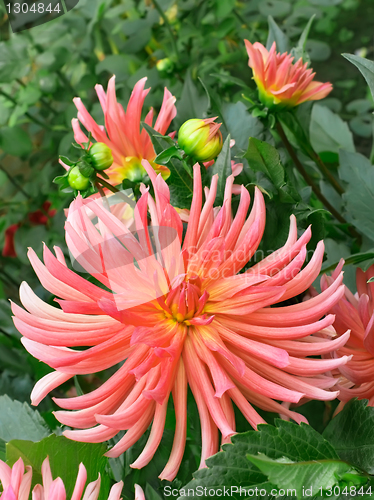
column 164, row 65
column 101, row 156
column 201, row 139
column 77, row 180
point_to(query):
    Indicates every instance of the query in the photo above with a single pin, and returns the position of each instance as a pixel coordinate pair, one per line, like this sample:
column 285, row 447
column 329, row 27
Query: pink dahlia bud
column 101, row 156
column 201, row 139
column 280, row 81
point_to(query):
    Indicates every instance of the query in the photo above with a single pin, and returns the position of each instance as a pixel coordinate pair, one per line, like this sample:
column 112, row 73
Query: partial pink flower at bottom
column 16, row 484
column 355, row 312
column 176, row 312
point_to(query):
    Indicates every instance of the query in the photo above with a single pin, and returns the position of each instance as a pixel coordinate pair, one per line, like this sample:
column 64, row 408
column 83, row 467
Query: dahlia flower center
column 186, row 300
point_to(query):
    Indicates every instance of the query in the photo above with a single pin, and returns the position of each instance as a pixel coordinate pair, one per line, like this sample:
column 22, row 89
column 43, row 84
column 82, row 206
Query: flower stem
column 15, row 183
column 167, row 24
column 103, row 197
column 322, row 167
column 113, row 189
column 30, row 117
column 311, row 182
column 42, row 100
column 308, row 149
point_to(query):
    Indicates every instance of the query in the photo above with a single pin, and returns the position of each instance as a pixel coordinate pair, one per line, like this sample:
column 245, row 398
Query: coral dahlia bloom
column 16, row 484
column 280, row 81
column 182, row 316
column 122, row 132
column 356, row 313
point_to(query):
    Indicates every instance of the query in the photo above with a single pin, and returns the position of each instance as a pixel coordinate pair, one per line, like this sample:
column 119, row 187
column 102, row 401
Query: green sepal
column 165, row 156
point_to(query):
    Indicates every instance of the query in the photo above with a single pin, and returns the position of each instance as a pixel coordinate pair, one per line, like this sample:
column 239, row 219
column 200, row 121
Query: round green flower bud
column 77, row 180
column 200, row 139
column 165, row 65
column 101, row 156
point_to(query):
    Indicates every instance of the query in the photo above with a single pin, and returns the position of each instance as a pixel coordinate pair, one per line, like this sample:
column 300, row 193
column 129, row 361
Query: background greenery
column 205, row 65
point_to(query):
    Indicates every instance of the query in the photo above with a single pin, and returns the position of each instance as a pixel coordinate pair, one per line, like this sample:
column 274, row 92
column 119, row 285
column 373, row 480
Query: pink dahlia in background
column 175, row 313
column 16, row 484
column 280, row 81
column 122, row 132
column 356, row 313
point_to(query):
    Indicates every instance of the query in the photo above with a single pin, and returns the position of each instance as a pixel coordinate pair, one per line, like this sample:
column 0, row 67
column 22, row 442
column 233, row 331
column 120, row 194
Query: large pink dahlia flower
column 16, row 484
column 122, row 132
column 280, row 81
column 181, row 316
column 356, row 313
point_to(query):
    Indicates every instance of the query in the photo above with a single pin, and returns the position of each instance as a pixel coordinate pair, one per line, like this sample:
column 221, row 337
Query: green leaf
column 191, row 104
column 222, row 167
column 299, row 51
column 15, row 141
column 351, row 433
column 165, row 156
column 296, row 477
column 328, row 132
column 366, row 68
column 64, row 458
column 358, row 173
column 276, row 35
column 262, row 157
column 231, row 468
column 240, row 123
column 66, row 160
column 18, row 420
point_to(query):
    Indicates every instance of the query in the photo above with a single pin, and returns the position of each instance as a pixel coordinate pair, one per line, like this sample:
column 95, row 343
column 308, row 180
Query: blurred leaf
column 351, row 433
column 358, row 173
column 117, row 64
column 64, row 458
column 191, row 104
column 18, row 421
column 276, row 35
column 318, row 50
column 240, row 123
column 275, row 8
column 300, row 476
column 15, row 141
column 328, row 132
column 366, row 68
column 14, row 61
column 18, row 387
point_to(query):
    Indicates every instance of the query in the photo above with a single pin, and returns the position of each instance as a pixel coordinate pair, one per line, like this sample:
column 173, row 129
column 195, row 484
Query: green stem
column 324, row 170
column 65, row 81
column 113, row 189
column 103, row 197
column 167, row 24
column 311, row 182
column 42, row 100
column 15, row 183
column 320, row 164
